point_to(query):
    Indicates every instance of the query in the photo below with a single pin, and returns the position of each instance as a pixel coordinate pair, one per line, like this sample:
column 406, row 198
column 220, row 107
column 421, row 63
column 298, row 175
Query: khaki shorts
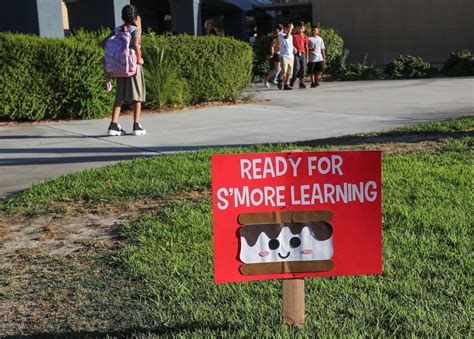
column 287, row 65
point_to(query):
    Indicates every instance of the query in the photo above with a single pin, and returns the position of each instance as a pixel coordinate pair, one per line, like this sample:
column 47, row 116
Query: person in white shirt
column 317, row 56
column 285, row 40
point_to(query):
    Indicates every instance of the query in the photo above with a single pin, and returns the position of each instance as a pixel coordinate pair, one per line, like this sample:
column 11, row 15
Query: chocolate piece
column 321, row 229
column 285, row 216
column 287, row 267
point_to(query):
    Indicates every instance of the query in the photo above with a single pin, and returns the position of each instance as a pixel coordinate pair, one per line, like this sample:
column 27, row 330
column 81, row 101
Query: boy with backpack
column 123, row 60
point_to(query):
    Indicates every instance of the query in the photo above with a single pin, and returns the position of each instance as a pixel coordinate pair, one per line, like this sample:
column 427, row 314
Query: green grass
column 453, row 125
column 161, row 176
column 81, row 293
column 426, row 288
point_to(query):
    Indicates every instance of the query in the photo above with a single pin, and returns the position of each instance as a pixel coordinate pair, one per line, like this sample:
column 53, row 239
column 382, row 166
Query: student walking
column 129, row 88
column 274, row 56
column 317, row 56
column 300, row 41
column 285, row 40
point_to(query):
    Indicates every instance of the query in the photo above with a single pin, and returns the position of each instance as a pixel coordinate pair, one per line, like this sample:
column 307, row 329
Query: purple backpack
column 120, row 60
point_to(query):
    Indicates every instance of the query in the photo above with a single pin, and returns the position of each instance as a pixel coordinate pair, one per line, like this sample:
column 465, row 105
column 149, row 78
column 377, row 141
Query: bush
column 46, row 78
column 409, row 67
column 261, row 50
column 50, row 79
column 163, row 84
column 334, row 47
column 215, row 68
column 87, row 37
column 358, row 72
column 459, row 64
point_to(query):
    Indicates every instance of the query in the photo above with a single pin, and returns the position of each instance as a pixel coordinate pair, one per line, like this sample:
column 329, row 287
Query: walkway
column 34, row 152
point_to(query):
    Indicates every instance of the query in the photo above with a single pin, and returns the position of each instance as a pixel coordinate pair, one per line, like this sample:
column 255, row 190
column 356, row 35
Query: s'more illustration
column 286, row 242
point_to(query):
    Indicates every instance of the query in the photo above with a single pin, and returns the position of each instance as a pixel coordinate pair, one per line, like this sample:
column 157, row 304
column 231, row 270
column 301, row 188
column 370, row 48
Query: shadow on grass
column 133, row 332
column 390, row 137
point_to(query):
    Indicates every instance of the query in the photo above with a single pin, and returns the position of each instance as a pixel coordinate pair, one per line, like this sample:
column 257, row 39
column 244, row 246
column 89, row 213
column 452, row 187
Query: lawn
column 156, row 276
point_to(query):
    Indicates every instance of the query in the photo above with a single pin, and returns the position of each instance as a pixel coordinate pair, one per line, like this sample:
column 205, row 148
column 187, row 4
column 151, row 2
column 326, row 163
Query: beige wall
column 65, row 15
column 385, row 29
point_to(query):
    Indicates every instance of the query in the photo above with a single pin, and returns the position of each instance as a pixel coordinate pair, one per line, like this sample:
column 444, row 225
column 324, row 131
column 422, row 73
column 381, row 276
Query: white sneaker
column 267, row 84
column 138, row 129
column 115, row 130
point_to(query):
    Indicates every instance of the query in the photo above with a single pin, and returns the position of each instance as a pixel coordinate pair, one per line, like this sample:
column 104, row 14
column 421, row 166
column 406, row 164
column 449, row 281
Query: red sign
column 296, row 214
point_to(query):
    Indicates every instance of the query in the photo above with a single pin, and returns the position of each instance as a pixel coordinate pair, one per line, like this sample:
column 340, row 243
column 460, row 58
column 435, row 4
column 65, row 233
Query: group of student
column 291, row 52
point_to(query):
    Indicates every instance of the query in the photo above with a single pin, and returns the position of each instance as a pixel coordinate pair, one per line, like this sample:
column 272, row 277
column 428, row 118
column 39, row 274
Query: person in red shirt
column 300, row 41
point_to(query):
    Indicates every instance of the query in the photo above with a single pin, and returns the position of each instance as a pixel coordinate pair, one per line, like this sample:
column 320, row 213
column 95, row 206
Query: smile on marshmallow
column 262, row 243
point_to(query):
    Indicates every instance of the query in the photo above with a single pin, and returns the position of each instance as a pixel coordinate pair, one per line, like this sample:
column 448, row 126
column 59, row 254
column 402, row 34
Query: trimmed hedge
column 216, row 68
column 50, row 79
column 45, row 78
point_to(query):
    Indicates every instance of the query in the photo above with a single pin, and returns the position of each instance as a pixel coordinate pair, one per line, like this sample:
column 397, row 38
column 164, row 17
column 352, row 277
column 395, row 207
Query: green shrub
column 261, row 50
column 163, row 84
column 50, row 79
column 409, row 67
column 334, row 47
column 87, row 37
column 44, row 78
column 459, row 64
column 215, row 68
column 358, row 72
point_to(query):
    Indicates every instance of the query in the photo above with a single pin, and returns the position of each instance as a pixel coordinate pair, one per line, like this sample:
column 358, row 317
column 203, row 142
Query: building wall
column 33, row 17
column 385, row 29
column 93, row 15
column 51, row 17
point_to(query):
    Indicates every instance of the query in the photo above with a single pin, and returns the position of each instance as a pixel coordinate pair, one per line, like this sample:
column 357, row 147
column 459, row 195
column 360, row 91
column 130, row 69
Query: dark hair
column 280, row 27
column 302, row 24
column 129, row 14
column 314, row 26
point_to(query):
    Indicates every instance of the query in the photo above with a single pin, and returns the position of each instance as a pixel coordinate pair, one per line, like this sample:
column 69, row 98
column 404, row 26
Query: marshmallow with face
column 298, row 241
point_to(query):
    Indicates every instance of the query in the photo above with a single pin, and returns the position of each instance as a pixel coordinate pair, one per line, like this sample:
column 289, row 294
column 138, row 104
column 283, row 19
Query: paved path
column 34, row 152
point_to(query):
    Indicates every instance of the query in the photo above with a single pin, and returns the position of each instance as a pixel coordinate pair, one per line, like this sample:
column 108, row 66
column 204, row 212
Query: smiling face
column 286, row 242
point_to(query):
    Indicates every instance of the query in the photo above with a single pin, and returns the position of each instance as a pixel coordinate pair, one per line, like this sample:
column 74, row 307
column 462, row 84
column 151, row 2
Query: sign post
column 293, row 302
column 292, row 215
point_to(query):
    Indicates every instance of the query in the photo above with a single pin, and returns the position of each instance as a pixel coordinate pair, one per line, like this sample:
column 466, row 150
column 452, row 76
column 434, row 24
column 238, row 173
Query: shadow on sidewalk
column 67, row 155
column 26, row 137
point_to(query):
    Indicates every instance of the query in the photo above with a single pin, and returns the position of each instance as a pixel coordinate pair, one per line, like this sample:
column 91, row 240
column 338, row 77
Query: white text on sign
column 272, row 167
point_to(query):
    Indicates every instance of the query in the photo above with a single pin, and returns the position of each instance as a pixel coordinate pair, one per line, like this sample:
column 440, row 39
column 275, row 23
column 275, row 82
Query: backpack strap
column 125, row 28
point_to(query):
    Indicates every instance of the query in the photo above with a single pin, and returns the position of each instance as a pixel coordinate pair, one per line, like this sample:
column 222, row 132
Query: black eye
column 295, row 242
column 273, row 244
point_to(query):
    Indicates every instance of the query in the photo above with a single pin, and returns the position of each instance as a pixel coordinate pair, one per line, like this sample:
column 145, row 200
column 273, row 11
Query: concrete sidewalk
column 33, row 152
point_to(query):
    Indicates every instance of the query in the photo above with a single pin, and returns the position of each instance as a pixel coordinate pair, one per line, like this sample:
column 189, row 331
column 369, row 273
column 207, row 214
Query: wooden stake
column 293, row 302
